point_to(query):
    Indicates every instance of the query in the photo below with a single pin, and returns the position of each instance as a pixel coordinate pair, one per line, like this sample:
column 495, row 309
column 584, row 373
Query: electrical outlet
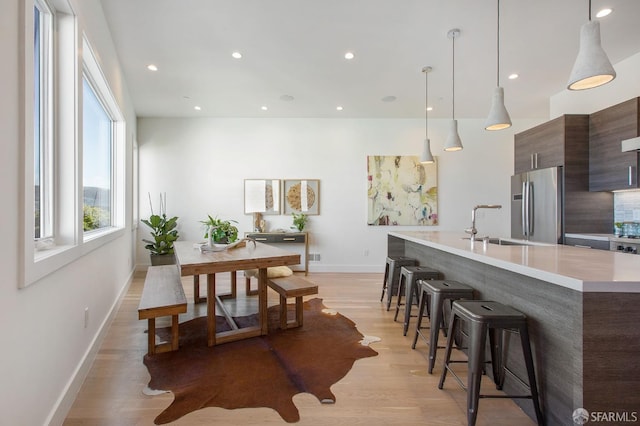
column 86, row 317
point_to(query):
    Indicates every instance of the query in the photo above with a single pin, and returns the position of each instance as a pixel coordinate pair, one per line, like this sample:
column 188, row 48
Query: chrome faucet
column 473, row 231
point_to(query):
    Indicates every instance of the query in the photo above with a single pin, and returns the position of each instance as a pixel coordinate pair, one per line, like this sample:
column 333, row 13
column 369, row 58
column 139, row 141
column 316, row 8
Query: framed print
column 401, row 191
column 301, row 196
column 262, row 196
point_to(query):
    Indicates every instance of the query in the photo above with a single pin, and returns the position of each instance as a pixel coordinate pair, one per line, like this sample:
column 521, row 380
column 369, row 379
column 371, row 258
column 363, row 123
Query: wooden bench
column 162, row 295
column 292, row 286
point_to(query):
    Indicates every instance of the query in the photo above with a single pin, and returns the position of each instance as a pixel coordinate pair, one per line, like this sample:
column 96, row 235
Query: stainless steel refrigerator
column 536, row 206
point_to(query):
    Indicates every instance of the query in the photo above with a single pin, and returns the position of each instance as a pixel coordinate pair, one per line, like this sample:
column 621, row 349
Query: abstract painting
column 401, row 191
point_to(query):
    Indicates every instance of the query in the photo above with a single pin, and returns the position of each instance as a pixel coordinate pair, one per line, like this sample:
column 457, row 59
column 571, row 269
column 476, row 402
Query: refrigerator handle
column 530, row 207
column 524, row 209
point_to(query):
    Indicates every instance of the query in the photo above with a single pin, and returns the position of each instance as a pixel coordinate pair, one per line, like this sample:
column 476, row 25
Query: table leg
column 262, row 300
column 211, row 309
column 234, row 284
column 196, row 290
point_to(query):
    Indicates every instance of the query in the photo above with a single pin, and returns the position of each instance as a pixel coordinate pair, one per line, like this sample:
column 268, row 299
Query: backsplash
column 626, row 209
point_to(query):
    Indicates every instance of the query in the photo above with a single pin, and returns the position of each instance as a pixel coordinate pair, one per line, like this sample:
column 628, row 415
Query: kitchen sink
column 502, row 241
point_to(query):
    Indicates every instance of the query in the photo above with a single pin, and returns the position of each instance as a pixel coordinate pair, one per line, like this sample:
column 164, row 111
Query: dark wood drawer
column 278, row 237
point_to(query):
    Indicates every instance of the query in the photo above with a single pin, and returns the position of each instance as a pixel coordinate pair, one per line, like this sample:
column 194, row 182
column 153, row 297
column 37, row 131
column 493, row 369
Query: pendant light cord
column 589, row 10
column 453, row 78
column 498, row 49
column 426, row 107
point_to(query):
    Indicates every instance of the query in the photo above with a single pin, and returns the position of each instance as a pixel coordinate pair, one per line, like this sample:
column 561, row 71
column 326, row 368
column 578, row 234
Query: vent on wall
column 314, row 257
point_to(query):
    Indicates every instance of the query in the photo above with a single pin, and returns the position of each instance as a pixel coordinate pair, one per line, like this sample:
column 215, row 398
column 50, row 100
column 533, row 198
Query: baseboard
column 346, row 269
column 63, row 404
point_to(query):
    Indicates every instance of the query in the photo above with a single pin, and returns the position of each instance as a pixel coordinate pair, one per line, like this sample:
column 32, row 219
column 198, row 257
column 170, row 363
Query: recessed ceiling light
column 603, row 13
column 197, row 108
column 513, row 76
column 339, row 108
column 349, row 55
column 389, row 98
column 236, row 55
column 286, row 98
column 264, row 107
column 429, row 108
column 152, row 67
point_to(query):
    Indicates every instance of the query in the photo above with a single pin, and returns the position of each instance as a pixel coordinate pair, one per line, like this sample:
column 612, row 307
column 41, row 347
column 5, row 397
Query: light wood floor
column 392, row 388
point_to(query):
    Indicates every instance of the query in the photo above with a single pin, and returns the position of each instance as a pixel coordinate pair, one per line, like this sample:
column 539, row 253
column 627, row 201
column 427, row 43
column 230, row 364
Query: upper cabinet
column 611, row 169
column 552, row 143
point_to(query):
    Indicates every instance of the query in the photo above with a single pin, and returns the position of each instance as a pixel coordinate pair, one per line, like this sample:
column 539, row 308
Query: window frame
column 95, row 77
column 70, row 55
column 112, row 142
column 46, row 128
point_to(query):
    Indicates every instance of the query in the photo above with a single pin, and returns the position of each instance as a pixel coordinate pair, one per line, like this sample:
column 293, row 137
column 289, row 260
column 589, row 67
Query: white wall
column 44, row 342
column 201, row 164
column 624, row 87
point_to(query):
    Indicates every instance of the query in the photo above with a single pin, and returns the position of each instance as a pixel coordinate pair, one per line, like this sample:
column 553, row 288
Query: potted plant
column 222, row 231
column 299, row 221
column 164, row 234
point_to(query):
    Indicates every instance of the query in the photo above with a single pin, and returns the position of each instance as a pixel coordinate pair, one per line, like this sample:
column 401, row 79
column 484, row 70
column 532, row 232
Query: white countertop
column 581, row 269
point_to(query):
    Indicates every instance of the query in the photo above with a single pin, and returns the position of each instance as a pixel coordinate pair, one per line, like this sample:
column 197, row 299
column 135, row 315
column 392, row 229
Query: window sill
column 39, row 264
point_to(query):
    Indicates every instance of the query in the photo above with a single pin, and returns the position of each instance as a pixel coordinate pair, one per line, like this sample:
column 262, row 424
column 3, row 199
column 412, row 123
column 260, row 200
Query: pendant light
column 427, row 157
column 453, row 142
column 498, row 116
column 592, row 67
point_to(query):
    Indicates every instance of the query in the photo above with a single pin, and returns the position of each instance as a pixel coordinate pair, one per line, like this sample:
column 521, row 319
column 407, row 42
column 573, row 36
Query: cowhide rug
column 264, row 371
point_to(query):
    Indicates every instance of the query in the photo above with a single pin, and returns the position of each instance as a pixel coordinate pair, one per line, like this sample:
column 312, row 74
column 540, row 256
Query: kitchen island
column 583, row 309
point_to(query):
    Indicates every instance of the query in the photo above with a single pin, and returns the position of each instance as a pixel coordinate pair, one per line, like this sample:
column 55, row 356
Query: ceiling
column 296, row 48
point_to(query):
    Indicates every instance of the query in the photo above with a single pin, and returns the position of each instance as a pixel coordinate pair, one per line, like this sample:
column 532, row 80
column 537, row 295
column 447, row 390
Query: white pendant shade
column 498, row 116
column 427, row 157
column 592, row 67
column 453, row 142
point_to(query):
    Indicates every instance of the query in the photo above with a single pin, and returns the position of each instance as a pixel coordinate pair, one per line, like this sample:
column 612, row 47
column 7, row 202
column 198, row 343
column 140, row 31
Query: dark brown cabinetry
column 587, row 243
column 611, row 169
column 551, row 143
column 544, row 145
column 564, row 142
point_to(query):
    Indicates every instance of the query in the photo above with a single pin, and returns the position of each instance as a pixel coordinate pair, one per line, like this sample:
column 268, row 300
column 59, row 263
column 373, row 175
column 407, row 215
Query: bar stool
column 493, row 318
column 392, row 273
column 409, row 276
column 433, row 295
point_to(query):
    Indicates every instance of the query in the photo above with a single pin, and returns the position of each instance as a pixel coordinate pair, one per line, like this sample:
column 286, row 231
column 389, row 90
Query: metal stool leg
column 436, row 319
column 528, row 359
column 422, row 304
column 412, row 293
column 478, row 337
column 448, row 348
column 402, row 282
column 385, row 280
column 394, row 277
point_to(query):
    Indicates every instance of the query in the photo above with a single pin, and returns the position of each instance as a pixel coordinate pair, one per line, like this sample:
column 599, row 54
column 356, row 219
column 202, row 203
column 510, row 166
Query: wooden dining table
column 251, row 255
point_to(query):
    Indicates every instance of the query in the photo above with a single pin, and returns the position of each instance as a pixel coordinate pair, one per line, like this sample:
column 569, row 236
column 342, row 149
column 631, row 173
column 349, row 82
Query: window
column 42, row 120
column 73, row 144
column 103, row 145
column 97, row 137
